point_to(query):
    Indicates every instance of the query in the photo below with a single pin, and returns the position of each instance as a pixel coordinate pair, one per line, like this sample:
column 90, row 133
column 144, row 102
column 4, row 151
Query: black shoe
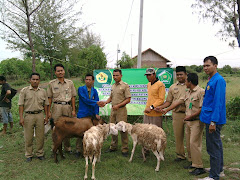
column 188, row 167
column 179, row 159
column 68, row 152
column 29, row 159
column 197, row 171
column 41, row 158
column 110, row 150
column 125, row 154
column 78, row 155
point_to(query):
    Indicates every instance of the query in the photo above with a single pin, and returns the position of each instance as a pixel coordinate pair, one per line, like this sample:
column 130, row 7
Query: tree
column 17, row 16
column 89, row 59
column 125, row 61
column 54, row 31
column 224, row 12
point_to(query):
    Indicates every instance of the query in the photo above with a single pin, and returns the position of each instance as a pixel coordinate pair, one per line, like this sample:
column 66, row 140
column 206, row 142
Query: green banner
column 138, row 87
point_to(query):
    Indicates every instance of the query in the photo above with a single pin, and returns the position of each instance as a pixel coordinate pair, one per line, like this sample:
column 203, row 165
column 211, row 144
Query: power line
column 127, row 22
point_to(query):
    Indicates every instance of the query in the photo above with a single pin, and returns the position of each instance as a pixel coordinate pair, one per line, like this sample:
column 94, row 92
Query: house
column 151, row 58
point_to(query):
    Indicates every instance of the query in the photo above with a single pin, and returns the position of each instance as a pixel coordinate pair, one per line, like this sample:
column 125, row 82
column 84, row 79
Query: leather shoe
column 110, row 150
column 68, row 152
column 188, row 167
column 29, row 159
column 197, row 171
column 179, row 159
column 78, row 155
column 41, row 158
column 125, row 154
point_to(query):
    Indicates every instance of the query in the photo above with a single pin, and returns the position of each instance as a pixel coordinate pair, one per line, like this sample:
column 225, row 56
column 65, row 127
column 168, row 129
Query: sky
column 169, row 27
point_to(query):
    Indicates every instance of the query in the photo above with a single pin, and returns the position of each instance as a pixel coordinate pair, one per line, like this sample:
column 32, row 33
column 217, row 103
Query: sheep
column 67, row 127
column 150, row 136
column 93, row 141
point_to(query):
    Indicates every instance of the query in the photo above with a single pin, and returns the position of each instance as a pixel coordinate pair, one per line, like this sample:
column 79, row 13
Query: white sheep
column 150, row 136
column 93, row 141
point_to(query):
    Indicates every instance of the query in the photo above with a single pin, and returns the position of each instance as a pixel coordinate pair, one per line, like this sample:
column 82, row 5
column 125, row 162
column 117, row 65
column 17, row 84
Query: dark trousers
column 215, row 151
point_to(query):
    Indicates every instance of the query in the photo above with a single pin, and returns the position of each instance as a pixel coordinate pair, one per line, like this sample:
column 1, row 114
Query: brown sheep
column 150, row 136
column 67, row 127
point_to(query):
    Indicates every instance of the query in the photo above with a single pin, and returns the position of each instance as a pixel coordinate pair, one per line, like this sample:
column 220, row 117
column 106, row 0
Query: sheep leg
column 143, row 154
column 99, row 156
column 60, row 151
column 86, row 167
column 133, row 150
column 55, row 147
column 93, row 167
column 158, row 160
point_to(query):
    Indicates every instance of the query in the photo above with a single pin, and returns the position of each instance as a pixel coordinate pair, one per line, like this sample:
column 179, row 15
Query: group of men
column 192, row 108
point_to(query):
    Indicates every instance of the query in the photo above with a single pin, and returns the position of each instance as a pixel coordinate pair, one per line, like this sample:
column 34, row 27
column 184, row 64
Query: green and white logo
column 165, row 77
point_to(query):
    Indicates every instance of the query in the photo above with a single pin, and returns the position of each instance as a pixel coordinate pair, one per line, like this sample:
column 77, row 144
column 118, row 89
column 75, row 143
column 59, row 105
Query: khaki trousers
column 194, row 133
column 32, row 121
column 115, row 117
column 178, row 129
column 59, row 110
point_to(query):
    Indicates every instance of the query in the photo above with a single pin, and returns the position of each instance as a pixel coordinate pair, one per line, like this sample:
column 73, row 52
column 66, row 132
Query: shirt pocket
column 195, row 102
column 41, row 101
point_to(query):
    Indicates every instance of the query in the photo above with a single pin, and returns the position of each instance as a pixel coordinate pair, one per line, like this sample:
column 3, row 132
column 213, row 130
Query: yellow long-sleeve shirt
column 156, row 96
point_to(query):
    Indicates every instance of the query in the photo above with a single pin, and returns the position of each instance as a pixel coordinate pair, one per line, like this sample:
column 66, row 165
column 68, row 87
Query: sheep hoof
column 130, row 160
column 156, row 170
column 144, row 160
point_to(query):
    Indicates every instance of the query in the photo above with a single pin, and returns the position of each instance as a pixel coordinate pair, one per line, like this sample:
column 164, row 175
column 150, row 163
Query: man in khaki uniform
column 32, row 101
column 120, row 96
column 62, row 93
column 194, row 127
column 176, row 91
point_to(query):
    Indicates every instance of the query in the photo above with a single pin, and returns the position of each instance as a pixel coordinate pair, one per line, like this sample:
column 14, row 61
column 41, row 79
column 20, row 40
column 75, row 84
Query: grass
column 112, row 165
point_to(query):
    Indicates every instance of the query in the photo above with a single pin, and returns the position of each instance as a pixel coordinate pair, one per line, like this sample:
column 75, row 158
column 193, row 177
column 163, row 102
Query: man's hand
column 101, row 103
column 187, row 118
column 115, row 107
column 212, row 127
column 45, row 120
column 98, row 117
column 158, row 108
column 164, row 111
column 7, row 100
column 74, row 114
column 147, row 110
column 21, row 122
column 49, row 115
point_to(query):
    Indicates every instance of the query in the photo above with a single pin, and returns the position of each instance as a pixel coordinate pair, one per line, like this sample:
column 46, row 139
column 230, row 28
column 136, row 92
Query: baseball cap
column 150, row 71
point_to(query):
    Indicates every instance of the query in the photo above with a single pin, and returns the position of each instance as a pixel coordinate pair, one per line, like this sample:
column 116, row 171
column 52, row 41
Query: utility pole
column 131, row 44
column 139, row 60
column 118, row 51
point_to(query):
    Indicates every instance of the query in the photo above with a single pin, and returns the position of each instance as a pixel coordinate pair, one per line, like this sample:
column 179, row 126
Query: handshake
column 101, row 103
column 161, row 110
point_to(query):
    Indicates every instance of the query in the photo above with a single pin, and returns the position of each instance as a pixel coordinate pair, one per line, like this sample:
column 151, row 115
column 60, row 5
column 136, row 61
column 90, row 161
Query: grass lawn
column 114, row 165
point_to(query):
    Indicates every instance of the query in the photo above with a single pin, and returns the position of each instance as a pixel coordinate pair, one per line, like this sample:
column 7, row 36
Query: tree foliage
column 223, row 12
column 126, row 61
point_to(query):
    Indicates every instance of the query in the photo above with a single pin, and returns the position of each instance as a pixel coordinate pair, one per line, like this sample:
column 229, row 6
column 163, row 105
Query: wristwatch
column 212, row 123
column 151, row 107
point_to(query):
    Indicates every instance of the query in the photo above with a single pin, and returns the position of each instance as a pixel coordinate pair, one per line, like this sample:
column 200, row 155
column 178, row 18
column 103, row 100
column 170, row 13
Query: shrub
column 233, row 108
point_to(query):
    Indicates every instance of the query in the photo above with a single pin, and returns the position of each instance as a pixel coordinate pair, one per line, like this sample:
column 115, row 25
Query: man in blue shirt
column 88, row 104
column 213, row 114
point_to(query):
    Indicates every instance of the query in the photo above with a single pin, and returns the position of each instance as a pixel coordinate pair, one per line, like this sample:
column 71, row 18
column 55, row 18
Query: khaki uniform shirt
column 176, row 91
column 33, row 100
column 61, row 92
column 193, row 100
column 119, row 92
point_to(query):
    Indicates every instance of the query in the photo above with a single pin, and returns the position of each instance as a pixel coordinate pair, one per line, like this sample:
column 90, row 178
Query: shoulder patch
column 52, row 81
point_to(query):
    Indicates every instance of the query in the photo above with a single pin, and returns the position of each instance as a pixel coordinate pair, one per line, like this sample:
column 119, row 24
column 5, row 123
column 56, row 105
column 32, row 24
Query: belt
column 63, row 103
column 33, row 112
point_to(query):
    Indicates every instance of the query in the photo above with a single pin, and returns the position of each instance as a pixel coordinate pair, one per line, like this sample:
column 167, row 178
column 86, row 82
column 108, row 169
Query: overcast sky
column 169, row 28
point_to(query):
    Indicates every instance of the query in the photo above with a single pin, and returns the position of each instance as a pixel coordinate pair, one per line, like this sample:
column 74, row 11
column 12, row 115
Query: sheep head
column 121, row 126
column 112, row 129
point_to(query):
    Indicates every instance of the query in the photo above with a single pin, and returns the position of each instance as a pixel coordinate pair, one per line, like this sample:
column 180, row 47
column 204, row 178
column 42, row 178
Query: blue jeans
column 6, row 115
column 215, row 151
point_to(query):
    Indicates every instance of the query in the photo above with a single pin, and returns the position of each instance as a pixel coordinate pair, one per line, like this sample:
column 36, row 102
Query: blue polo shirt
column 214, row 102
column 87, row 106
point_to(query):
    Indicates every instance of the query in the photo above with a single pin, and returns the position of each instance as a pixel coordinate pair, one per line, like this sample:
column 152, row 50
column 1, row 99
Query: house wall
column 150, row 59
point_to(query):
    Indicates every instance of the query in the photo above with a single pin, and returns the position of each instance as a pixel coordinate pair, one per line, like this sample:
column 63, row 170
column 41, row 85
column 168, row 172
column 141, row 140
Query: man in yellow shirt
column 156, row 96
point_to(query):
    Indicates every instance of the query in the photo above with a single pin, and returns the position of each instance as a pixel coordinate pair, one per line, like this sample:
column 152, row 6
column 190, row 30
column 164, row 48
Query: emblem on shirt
column 102, row 77
column 208, row 87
